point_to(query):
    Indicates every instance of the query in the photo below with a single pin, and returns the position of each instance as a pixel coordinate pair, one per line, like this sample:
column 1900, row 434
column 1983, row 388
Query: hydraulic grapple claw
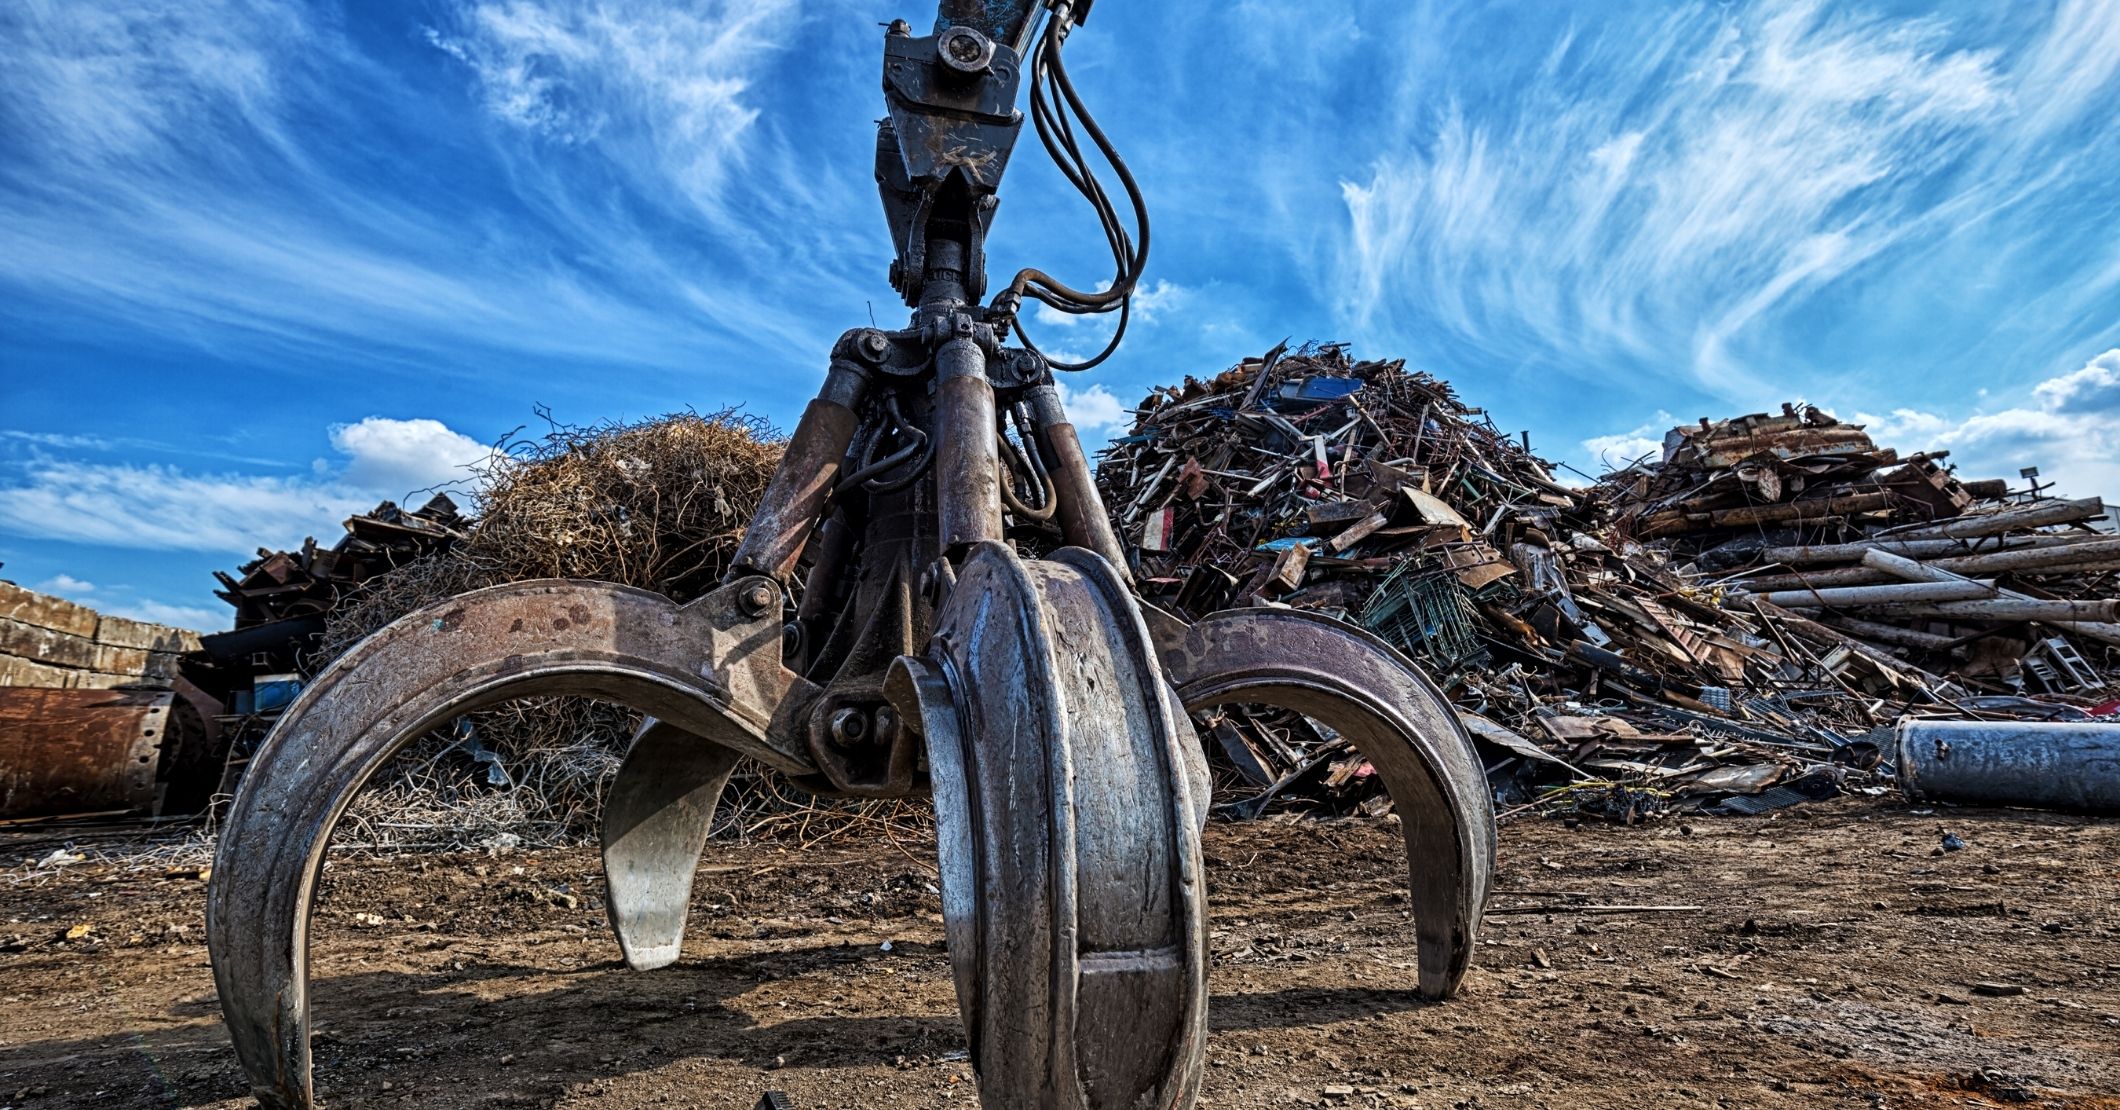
column 1069, row 788
column 698, row 667
column 1362, row 688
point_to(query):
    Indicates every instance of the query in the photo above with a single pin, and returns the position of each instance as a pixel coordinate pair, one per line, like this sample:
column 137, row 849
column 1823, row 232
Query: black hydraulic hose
column 1053, row 100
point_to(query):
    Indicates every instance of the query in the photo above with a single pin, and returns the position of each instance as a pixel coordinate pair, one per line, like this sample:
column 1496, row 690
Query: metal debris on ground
column 1803, row 516
column 1735, row 625
column 1593, row 638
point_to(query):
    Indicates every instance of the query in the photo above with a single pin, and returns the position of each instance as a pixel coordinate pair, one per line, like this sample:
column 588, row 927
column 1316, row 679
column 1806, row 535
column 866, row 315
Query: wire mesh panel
column 1425, row 612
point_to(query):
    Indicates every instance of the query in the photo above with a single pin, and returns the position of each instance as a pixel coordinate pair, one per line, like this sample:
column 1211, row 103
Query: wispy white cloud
column 2071, row 67
column 1096, row 412
column 1618, row 449
column 1152, row 302
column 1653, row 192
column 660, row 89
column 165, row 508
column 53, row 439
column 1158, row 298
column 125, row 601
column 197, row 618
column 190, row 163
column 1730, row 203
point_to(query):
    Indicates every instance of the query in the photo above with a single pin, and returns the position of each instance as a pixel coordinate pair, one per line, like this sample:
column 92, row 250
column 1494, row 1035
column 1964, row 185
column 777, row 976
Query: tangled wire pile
column 660, row 504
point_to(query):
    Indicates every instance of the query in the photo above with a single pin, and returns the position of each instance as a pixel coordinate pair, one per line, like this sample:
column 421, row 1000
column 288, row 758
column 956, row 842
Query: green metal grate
column 1426, row 613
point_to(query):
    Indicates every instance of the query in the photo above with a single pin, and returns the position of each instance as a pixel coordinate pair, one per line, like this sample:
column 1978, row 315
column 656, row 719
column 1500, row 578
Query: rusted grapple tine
column 656, row 817
column 1068, row 840
column 706, row 669
column 1368, row 692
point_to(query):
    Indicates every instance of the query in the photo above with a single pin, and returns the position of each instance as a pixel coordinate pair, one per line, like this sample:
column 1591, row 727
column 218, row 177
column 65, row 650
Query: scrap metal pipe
column 1816, row 578
column 2100, row 553
column 2102, row 630
column 2077, row 615
column 1815, row 554
column 2071, row 765
column 84, row 751
column 1890, row 593
column 2051, row 512
column 2083, row 555
column 1891, row 633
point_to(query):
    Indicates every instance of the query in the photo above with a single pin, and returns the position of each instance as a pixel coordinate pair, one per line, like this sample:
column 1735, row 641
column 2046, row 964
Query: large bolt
column 759, row 599
column 850, row 726
column 875, row 345
column 965, row 50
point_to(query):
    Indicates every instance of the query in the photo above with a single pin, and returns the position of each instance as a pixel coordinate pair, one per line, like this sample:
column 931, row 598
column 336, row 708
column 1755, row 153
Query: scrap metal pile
column 1600, row 672
column 1802, row 517
column 1728, row 486
column 282, row 600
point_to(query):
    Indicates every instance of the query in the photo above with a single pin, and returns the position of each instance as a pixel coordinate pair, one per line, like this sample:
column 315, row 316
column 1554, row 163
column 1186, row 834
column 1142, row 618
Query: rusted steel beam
column 1819, row 509
column 1676, row 521
column 86, row 751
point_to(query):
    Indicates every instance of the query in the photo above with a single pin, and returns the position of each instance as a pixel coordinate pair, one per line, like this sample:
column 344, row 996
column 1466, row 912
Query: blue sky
column 263, row 264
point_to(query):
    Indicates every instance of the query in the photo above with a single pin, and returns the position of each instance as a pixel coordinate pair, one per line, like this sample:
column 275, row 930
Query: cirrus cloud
column 160, row 507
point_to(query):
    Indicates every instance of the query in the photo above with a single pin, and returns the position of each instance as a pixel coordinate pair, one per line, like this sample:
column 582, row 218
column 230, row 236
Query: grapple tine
column 656, row 817
column 1368, row 692
column 700, row 667
column 1069, row 842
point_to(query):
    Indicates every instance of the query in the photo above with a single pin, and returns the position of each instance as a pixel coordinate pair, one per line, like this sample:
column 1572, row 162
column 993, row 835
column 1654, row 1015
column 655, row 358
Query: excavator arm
column 952, row 125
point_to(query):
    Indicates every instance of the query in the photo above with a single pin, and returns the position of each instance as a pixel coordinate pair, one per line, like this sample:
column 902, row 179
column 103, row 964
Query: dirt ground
column 1836, row 958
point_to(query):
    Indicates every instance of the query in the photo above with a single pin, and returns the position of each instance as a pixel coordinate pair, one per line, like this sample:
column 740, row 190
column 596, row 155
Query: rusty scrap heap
column 1728, row 485
column 1952, row 585
column 1600, row 672
column 1306, row 477
column 282, row 600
